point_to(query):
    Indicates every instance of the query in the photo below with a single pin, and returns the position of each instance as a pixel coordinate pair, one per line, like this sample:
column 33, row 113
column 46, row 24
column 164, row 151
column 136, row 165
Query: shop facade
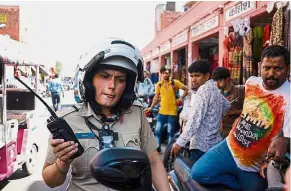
column 218, row 32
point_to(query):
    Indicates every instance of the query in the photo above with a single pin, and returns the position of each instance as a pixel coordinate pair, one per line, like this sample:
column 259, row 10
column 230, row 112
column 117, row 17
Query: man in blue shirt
column 56, row 88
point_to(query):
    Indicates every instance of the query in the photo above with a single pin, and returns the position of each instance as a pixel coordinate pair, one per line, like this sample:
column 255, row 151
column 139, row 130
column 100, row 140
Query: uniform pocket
column 82, row 163
column 131, row 139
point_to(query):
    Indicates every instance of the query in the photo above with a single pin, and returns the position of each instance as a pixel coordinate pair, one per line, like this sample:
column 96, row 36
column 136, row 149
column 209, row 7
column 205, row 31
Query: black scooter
column 128, row 169
column 178, row 168
column 122, row 169
column 181, row 180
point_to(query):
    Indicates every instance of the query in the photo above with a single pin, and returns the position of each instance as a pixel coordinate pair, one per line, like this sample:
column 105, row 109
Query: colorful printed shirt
column 204, row 118
column 168, row 96
column 265, row 114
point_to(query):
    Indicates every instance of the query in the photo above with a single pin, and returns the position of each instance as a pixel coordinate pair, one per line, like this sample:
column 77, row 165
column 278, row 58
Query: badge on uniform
column 89, row 135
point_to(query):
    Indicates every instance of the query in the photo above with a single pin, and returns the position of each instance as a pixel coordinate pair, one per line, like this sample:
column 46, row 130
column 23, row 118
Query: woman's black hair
column 200, row 66
column 125, row 100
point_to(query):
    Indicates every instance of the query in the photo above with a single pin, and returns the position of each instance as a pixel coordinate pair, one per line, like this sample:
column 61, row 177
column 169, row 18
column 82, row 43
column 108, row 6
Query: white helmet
column 110, row 53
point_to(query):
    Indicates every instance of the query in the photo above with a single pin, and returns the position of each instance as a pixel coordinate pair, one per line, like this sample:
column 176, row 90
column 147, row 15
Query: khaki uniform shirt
column 131, row 133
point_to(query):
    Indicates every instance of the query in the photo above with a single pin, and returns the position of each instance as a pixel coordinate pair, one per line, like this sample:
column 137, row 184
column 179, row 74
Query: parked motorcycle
column 151, row 116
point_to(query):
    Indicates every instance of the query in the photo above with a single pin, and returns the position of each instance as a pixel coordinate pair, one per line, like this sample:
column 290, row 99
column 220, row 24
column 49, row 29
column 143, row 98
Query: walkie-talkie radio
column 59, row 128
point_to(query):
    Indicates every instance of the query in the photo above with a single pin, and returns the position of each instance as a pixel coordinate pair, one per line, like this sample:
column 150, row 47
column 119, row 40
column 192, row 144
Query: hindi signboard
column 148, row 56
column 204, row 26
column 239, row 9
column 180, row 38
column 166, row 46
column 155, row 52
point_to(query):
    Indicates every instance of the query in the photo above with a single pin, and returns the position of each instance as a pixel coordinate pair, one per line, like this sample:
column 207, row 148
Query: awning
column 43, row 71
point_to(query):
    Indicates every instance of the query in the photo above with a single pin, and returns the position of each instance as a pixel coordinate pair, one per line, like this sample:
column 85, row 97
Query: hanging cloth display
column 237, row 59
column 277, row 28
column 231, row 41
column 225, row 53
column 287, row 28
column 247, row 56
column 267, row 33
column 215, row 59
column 258, row 34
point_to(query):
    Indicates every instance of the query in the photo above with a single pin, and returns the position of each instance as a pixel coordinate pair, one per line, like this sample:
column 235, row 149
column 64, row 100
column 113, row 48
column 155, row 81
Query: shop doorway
column 244, row 46
column 208, row 50
column 166, row 60
column 261, row 29
column 180, row 66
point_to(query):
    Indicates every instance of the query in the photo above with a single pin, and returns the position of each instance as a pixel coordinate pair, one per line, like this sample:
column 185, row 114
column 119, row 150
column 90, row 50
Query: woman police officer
column 106, row 87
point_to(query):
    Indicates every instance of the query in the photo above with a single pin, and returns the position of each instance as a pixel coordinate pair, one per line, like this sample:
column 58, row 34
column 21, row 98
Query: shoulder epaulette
column 137, row 103
column 68, row 110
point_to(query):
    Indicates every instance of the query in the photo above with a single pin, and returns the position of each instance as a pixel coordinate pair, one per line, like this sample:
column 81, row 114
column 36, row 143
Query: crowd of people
column 236, row 133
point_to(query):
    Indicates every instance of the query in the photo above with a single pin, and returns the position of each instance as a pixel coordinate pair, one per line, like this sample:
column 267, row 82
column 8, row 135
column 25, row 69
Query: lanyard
column 91, row 126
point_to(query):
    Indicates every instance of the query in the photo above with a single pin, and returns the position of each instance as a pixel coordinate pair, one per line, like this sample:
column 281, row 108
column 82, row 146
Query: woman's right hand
column 64, row 150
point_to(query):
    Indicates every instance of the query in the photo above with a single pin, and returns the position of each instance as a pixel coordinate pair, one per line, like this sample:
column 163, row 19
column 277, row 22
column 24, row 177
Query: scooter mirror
column 122, row 168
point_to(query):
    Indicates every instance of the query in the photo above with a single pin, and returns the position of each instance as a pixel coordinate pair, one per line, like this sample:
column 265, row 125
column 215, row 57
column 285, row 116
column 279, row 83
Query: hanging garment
column 277, row 28
column 231, row 41
column 237, row 64
column 287, row 29
column 267, row 33
column 247, row 56
column 225, row 53
column 258, row 34
column 238, row 59
column 215, row 59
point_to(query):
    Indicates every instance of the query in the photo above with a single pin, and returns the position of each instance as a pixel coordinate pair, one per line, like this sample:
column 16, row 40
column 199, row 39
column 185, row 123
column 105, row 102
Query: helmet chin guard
column 110, row 53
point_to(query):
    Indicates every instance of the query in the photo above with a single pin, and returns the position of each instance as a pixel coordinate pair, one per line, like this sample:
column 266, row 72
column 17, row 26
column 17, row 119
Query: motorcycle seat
column 182, row 168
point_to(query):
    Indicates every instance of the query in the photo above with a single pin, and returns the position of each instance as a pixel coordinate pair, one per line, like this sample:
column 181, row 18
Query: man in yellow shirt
column 167, row 90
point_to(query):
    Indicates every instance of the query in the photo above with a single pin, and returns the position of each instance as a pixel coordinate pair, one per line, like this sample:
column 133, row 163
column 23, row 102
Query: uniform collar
column 87, row 111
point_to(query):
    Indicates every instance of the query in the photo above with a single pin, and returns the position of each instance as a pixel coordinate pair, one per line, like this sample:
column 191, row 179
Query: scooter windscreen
column 122, row 168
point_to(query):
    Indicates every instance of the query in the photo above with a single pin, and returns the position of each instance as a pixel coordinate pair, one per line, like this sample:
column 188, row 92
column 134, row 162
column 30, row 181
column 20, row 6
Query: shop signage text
column 148, row 56
column 239, row 9
column 205, row 26
column 155, row 52
column 3, row 18
column 165, row 47
column 181, row 38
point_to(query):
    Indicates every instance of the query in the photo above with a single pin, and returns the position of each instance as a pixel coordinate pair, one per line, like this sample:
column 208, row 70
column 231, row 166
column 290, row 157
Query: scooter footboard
column 175, row 181
column 182, row 171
